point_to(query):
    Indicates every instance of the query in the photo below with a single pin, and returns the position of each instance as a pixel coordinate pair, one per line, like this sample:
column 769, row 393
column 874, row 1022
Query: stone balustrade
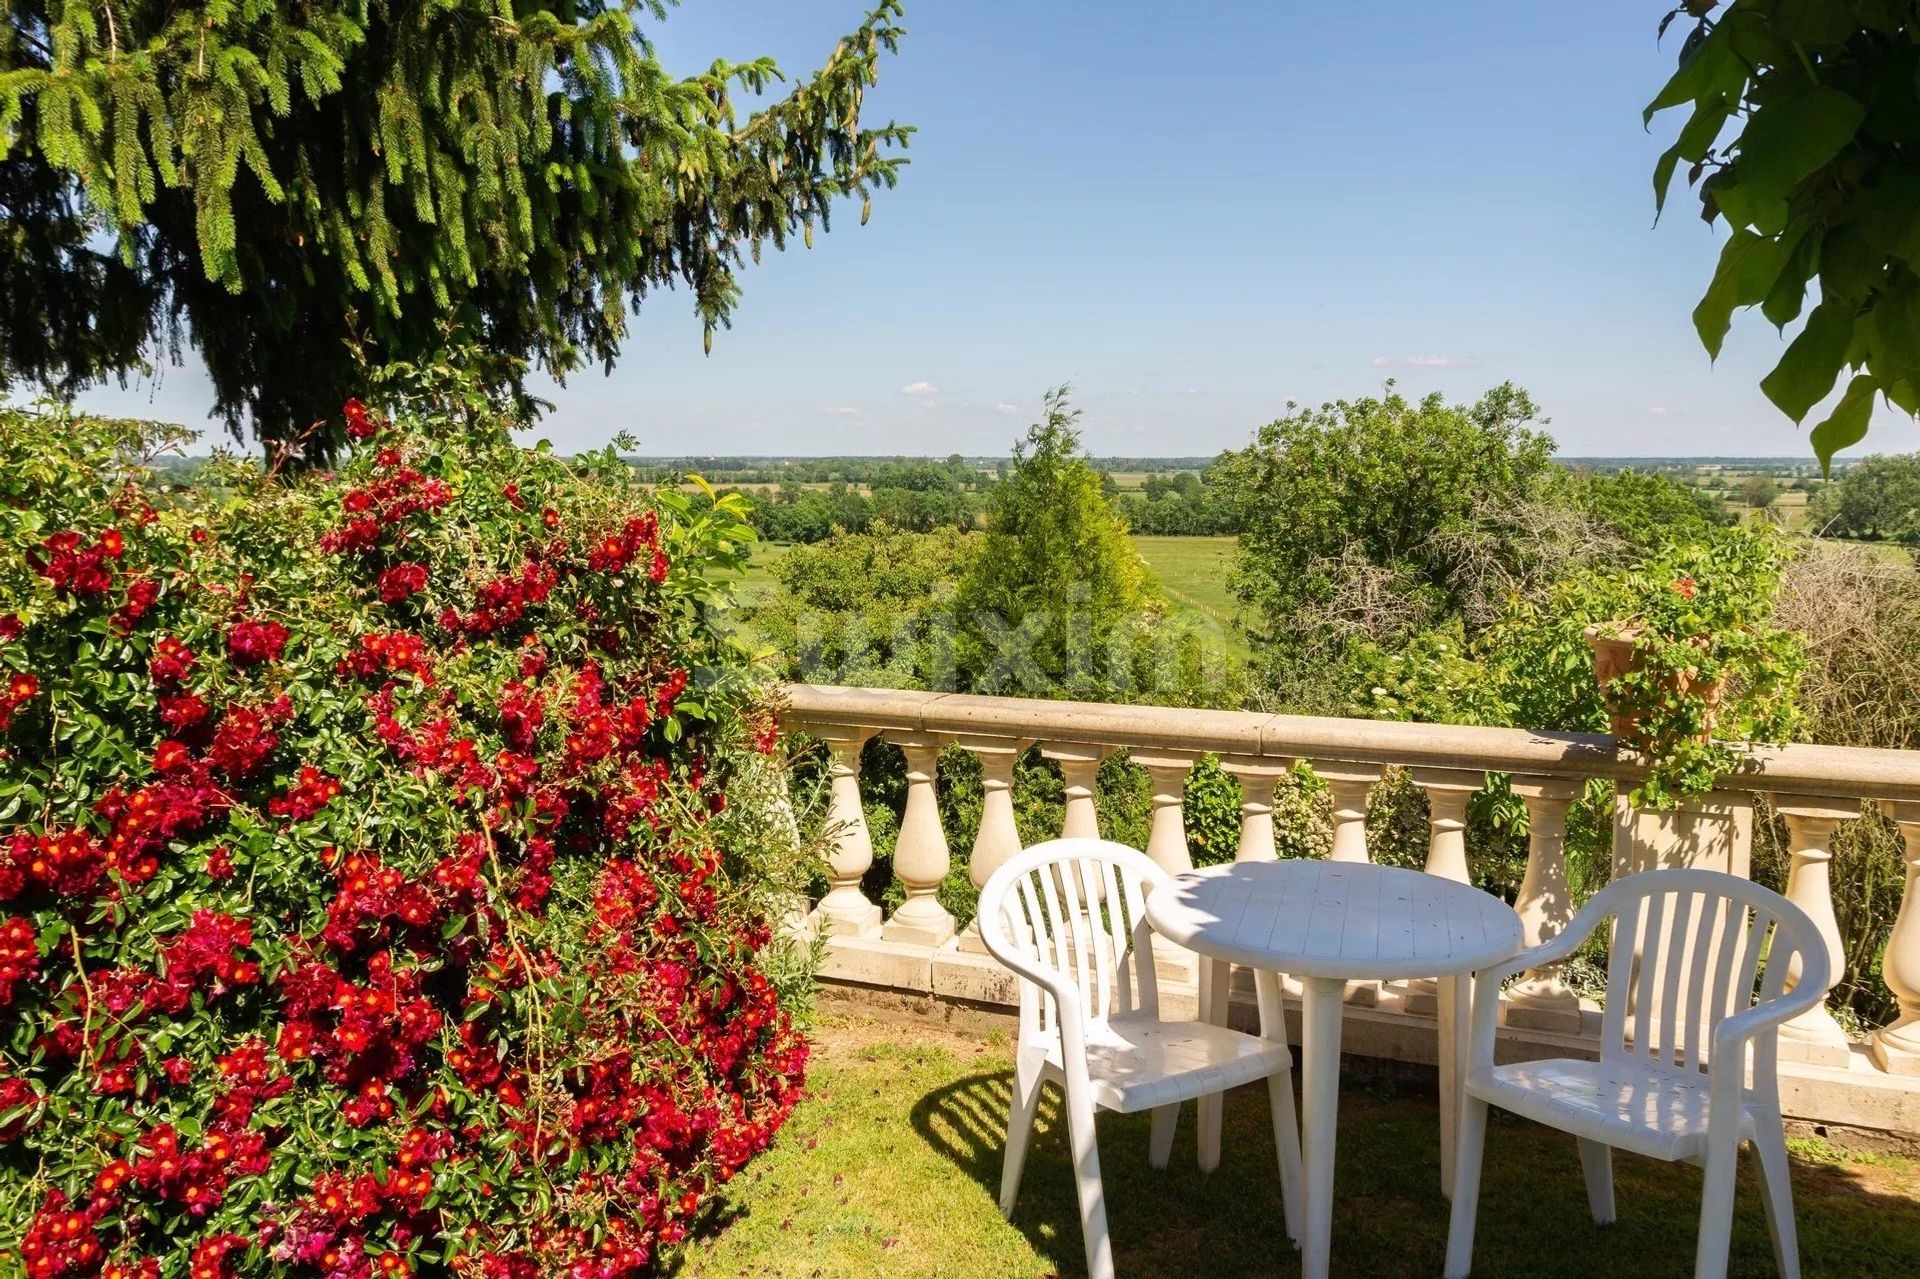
column 1827, row 1077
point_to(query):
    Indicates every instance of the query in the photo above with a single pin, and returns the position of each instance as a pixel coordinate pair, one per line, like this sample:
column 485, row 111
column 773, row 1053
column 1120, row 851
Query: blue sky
column 1194, row 213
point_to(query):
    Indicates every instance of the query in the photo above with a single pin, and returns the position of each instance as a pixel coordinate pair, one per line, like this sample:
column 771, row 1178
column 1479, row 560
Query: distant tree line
column 1184, row 504
column 818, row 497
column 867, row 471
column 911, row 496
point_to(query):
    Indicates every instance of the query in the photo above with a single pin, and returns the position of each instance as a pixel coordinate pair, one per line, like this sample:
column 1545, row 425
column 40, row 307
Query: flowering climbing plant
column 371, row 902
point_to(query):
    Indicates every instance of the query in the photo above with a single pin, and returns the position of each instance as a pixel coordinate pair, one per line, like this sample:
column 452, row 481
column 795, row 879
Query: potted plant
column 1688, row 656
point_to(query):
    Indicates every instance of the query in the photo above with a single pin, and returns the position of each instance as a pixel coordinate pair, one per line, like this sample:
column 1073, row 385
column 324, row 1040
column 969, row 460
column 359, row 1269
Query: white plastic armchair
column 1069, row 918
column 1702, row 971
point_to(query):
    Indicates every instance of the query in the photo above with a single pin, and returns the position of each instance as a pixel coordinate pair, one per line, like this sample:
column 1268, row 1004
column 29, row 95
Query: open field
column 758, row 582
column 1192, row 571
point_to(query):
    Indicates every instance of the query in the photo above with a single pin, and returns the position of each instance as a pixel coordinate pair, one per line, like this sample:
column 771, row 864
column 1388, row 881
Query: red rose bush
column 370, row 901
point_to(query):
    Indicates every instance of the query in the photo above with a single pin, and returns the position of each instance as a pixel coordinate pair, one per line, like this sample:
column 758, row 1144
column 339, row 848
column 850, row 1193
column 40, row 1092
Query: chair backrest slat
column 1078, row 935
column 1677, row 955
column 1712, row 936
column 1648, row 963
column 1099, row 904
column 1053, row 920
column 1626, row 935
column 1752, row 955
column 1039, row 947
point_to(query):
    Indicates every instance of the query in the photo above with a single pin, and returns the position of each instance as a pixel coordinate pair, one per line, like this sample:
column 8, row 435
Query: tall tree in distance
column 1056, row 576
column 295, row 189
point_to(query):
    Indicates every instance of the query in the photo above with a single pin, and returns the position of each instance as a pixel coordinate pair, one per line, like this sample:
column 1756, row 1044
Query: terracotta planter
column 1616, row 652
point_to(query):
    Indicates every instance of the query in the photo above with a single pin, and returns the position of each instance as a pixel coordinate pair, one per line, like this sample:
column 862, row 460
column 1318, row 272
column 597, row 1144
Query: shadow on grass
column 1390, row 1219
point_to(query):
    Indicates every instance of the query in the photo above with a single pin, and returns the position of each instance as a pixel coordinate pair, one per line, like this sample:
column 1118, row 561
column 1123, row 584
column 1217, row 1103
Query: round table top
column 1335, row 919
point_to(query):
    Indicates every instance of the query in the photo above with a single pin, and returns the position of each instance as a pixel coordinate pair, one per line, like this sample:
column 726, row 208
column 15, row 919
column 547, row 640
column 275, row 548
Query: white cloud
column 1005, row 409
column 921, row 388
column 1421, row 361
column 841, row 410
column 1656, row 409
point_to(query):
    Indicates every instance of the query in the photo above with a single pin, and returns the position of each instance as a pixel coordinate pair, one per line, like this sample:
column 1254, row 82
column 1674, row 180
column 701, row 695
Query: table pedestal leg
column 1215, row 976
column 1456, row 997
column 1286, row 1121
column 1319, row 1101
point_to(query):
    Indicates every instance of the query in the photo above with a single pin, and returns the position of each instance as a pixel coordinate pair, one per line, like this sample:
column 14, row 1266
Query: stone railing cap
column 1799, row 769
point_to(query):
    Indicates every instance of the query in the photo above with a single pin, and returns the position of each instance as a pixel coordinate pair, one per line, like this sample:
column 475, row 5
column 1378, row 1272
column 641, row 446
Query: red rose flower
column 252, row 642
column 22, row 688
column 172, row 662
column 400, row 581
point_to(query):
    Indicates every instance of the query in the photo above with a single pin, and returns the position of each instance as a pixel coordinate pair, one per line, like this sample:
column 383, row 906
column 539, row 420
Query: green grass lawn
column 1193, row 572
column 892, row 1167
column 757, row 583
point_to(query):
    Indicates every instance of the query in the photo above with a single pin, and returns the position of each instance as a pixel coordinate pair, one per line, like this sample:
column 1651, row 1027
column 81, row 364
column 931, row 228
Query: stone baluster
column 920, row 859
column 1897, row 1047
column 845, row 910
column 998, row 838
column 1259, row 778
column 1541, row 997
column 1349, row 785
column 1447, row 791
column 1814, row 1036
column 1167, row 834
column 1167, row 846
column 1079, row 765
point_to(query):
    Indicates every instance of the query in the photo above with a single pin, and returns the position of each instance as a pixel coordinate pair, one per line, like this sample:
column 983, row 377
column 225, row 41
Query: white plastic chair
column 1069, row 916
column 1706, row 989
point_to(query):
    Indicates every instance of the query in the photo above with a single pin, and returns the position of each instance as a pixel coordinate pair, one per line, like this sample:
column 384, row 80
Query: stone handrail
column 1813, row 788
column 1854, row 771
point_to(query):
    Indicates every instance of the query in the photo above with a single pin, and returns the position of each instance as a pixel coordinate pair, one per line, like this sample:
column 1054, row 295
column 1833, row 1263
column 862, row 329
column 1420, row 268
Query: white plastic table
column 1329, row 923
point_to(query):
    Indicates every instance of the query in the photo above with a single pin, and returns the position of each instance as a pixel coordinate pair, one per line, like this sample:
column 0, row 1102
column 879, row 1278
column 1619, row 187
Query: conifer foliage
column 296, row 189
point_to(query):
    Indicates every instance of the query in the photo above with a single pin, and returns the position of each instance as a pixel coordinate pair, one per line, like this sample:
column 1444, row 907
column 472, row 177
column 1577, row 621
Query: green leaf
column 1663, row 177
column 1743, row 204
column 1894, row 329
column 1711, row 70
column 1786, row 140
column 1695, row 140
column 1789, row 292
column 1847, row 424
column 1749, row 264
column 1806, row 373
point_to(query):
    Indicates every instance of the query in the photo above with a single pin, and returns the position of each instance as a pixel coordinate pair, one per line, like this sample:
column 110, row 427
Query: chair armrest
column 1487, row 982
column 1066, row 996
column 1732, row 1035
column 1551, row 951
